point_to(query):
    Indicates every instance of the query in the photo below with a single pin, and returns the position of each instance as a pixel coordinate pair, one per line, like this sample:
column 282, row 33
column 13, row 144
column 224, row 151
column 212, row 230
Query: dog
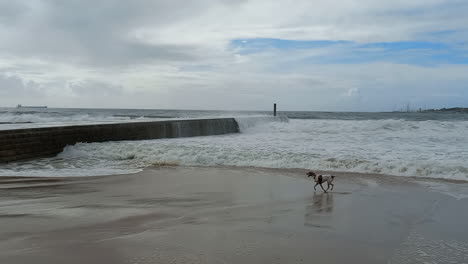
column 319, row 179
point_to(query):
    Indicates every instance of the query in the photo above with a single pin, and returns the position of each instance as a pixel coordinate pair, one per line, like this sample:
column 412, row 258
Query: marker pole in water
column 274, row 109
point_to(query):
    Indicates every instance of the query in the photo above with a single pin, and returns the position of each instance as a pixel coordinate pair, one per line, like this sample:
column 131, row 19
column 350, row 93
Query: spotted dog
column 319, row 179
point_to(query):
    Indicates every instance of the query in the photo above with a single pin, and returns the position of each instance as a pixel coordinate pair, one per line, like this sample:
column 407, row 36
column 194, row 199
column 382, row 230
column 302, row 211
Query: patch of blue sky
column 423, row 53
column 255, row 45
column 427, row 58
column 450, row 58
column 406, row 45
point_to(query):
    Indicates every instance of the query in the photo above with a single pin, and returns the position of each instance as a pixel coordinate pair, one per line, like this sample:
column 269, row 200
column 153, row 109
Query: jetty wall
column 30, row 143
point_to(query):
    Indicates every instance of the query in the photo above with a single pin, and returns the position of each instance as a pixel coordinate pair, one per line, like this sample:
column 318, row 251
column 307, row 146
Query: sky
column 320, row 55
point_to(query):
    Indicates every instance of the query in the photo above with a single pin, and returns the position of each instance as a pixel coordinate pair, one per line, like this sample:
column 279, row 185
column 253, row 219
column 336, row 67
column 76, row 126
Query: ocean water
column 424, row 144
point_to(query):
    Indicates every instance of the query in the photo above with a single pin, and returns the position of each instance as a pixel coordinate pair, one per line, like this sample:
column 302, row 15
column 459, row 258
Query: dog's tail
column 333, row 177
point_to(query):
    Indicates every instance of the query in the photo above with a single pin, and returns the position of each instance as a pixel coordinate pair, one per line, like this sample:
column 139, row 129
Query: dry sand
column 231, row 215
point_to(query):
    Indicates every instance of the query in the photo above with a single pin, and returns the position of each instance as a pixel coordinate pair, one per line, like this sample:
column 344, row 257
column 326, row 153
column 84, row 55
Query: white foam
column 407, row 148
column 370, row 183
column 457, row 191
column 247, row 123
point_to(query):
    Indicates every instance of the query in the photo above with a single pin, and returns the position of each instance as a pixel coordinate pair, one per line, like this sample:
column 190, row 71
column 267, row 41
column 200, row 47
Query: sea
column 407, row 144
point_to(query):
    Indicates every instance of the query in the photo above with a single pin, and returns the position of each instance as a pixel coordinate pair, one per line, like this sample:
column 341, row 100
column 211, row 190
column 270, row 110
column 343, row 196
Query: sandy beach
column 231, row 215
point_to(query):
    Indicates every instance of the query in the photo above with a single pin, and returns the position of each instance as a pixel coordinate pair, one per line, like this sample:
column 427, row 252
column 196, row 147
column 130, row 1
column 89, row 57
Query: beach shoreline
column 231, row 215
column 293, row 172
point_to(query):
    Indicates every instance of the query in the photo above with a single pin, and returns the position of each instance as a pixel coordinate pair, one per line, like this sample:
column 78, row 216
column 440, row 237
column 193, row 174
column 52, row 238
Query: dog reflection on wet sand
column 319, row 211
column 322, row 202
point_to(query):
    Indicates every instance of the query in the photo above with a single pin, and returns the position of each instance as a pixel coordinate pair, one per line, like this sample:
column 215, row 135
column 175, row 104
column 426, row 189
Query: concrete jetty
column 22, row 144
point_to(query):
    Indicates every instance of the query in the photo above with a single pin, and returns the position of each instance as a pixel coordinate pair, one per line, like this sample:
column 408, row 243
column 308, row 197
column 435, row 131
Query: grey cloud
column 98, row 33
column 11, row 12
column 95, row 88
column 13, row 86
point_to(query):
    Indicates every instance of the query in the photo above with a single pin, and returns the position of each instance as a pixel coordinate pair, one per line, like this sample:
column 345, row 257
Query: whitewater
column 414, row 147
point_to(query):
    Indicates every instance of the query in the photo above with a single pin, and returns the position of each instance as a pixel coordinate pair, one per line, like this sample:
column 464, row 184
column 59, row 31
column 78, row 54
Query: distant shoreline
column 452, row 109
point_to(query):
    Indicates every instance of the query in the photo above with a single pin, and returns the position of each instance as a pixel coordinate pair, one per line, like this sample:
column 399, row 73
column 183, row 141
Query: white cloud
column 352, row 92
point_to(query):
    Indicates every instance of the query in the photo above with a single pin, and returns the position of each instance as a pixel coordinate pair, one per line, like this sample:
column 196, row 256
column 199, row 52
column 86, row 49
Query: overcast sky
column 334, row 55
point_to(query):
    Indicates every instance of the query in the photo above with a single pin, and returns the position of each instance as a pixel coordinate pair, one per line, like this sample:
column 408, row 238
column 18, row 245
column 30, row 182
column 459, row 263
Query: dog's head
column 311, row 174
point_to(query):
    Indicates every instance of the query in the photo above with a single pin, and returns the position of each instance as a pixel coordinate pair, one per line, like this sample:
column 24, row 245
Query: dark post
column 274, row 109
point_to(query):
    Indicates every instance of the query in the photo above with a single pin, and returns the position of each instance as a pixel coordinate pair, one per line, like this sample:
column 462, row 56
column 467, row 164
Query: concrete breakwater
column 22, row 144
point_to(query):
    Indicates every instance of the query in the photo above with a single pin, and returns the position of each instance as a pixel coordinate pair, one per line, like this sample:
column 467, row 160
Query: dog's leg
column 322, row 188
column 328, row 186
column 315, row 186
column 332, row 185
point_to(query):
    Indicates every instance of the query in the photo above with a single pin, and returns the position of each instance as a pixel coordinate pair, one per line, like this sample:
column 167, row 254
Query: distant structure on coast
column 453, row 109
column 409, row 109
column 447, row 110
column 29, row 106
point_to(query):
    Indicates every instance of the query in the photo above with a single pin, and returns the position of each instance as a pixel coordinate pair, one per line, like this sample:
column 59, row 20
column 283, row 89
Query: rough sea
column 419, row 144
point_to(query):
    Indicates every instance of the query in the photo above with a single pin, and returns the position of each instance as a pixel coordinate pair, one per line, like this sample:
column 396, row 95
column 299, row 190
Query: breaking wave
column 398, row 147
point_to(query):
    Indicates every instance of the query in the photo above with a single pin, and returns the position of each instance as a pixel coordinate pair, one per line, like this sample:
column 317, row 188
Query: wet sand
column 231, row 215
